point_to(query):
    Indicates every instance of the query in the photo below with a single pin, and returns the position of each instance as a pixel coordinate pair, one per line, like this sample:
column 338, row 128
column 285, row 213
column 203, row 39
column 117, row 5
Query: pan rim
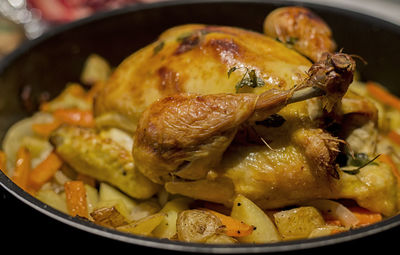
column 81, row 224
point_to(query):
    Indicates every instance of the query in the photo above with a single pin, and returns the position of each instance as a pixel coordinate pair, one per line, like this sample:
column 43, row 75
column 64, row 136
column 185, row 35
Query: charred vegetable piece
column 108, row 217
column 102, row 159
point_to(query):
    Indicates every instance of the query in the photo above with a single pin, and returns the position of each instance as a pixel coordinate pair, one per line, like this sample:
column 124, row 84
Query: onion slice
column 336, row 211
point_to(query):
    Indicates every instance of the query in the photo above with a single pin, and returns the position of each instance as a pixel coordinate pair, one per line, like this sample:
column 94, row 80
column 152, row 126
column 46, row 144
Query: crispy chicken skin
column 300, row 28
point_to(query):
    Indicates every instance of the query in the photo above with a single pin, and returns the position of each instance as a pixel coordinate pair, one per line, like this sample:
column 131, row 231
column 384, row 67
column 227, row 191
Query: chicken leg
column 185, row 135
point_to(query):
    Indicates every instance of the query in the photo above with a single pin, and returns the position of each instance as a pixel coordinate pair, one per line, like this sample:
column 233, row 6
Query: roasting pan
column 47, row 63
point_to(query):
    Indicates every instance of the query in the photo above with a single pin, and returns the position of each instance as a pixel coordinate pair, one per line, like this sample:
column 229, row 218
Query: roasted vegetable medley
column 217, row 135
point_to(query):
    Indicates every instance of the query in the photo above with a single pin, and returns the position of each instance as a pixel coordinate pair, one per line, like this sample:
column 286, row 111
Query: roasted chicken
column 219, row 111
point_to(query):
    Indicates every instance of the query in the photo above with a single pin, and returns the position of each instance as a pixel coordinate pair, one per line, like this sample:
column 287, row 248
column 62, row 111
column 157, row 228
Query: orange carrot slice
column 76, row 198
column 365, row 217
column 233, row 227
column 44, row 171
column 383, row 95
column 75, row 117
column 45, row 129
column 3, row 162
column 22, row 168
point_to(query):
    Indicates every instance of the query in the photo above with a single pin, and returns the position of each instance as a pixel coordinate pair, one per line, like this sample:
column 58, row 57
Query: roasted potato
column 298, row 222
column 248, row 212
column 144, row 226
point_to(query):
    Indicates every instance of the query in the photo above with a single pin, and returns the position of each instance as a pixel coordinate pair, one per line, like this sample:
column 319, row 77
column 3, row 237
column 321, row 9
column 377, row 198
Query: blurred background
column 22, row 20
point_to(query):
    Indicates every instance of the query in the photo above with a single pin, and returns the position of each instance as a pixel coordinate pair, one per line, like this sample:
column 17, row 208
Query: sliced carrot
column 86, row 179
column 233, row 227
column 365, row 217
column 384, row 96
column 394, row 136
column 44, row 171
column 76, row 198
column 3, row 162
column 45, row 129
column 388, row 160
column 75, row 117
column 22, row 168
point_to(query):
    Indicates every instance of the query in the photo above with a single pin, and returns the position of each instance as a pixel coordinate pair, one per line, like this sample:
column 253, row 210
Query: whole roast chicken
column 219, row 111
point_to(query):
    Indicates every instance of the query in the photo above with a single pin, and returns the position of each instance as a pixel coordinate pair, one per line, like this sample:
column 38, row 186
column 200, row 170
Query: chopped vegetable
column 75, row 117
column 233, row 227
column 50, row 197
column 248, row 212
column 167, row 228
column 3, row 162
column 364, row 216
column 22, row 168
column 45, row 129
column 197, row 225
column 337, row 211
column 108, row 217
column 95, row 69
column 298, row 222
column 388, row 160
column 76, row 198
column 44, row 171
column 144, row 226
column 378, row 92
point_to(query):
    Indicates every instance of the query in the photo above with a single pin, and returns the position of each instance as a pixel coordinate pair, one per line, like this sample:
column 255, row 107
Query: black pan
column 49, row 62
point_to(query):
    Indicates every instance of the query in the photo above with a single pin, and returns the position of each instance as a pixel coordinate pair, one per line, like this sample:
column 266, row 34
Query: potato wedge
column 167, row 228
column 145, row 225
column 248, row 212
column 145, row 209
column 298, row 222
column 95, row 69
column 92, row 197
column 50, row 197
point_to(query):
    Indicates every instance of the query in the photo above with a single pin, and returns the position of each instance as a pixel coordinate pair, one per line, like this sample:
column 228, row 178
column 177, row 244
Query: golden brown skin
column 196, row 59
column 300, row 28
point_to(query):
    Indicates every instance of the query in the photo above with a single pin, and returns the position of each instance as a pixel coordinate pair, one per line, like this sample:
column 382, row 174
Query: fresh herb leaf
column 249, row 79
column 231, row 70
column 361, row 160
column 158, row 48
